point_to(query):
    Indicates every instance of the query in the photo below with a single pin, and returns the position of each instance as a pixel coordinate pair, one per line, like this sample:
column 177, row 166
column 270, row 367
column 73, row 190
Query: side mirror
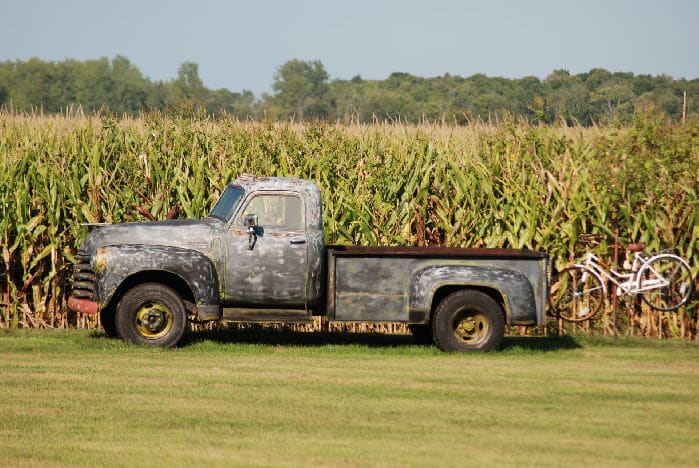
column 251, row 221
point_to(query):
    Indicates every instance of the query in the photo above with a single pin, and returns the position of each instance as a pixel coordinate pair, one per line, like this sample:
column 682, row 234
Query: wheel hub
column 471, row 328
column 153, row 320
column 466, row 326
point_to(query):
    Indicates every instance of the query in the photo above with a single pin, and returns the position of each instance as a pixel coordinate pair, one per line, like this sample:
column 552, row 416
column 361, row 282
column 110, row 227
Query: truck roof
column 308, row 190
column 251, row 182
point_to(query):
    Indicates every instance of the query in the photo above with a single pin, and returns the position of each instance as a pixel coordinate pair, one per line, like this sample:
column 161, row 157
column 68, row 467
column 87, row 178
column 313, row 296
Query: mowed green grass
column 70, row 398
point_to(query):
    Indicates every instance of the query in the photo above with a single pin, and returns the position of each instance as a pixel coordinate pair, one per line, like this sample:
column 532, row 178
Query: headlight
column 101, row 259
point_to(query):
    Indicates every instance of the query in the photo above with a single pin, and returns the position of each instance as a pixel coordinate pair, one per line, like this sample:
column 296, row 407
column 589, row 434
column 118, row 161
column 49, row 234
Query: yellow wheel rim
column 471, row 327
column 153, row 320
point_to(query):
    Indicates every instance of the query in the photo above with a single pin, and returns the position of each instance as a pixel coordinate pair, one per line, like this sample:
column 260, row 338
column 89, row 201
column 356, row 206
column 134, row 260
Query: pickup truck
column 260, row 256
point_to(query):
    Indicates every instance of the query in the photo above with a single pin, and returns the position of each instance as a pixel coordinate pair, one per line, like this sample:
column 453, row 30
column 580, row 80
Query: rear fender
column 514, row 288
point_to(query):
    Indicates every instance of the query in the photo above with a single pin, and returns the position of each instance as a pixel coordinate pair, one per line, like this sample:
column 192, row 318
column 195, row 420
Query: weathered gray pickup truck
column 260, row 256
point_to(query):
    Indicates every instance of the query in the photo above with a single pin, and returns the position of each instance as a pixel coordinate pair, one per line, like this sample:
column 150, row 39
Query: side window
column 277, row 211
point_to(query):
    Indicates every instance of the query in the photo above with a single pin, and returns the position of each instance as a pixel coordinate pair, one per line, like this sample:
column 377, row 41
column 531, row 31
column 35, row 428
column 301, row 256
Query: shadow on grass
column 266, row 336
column 539, row 343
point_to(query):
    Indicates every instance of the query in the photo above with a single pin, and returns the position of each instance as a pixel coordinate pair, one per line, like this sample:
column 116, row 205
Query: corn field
column 505, row 184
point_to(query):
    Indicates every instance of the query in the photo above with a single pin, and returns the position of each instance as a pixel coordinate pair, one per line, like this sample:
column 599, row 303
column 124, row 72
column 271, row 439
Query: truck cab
column 272, row 245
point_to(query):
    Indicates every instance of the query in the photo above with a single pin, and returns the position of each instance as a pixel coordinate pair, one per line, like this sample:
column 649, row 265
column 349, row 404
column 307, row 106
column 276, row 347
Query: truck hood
column 195, row 234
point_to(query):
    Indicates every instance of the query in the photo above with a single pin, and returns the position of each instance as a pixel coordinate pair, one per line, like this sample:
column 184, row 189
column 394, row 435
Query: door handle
column 297, row 240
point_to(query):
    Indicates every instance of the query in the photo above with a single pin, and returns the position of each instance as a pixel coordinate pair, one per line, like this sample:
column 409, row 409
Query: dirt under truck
column 260, row 256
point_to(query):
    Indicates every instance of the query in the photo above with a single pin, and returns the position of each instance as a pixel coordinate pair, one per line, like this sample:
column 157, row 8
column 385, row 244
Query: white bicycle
column 663, row 279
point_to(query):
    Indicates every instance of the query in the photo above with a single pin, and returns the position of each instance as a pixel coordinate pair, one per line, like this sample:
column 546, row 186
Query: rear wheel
column 576, row 294
column 151, row 314
column 673, row 279
column 468, row 321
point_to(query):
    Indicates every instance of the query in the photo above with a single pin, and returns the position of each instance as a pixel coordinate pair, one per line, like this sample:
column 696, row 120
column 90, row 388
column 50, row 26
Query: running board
column 240, row 314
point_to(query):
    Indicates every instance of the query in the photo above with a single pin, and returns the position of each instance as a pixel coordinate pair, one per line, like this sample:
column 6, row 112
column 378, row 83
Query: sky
column 239, row 45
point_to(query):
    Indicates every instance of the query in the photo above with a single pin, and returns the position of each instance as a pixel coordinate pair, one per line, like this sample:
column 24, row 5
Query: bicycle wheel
column 665, row 282
column 576, row 294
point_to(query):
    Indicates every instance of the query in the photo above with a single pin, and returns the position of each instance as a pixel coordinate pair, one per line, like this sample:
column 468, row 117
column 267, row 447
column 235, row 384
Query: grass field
column 74, row 397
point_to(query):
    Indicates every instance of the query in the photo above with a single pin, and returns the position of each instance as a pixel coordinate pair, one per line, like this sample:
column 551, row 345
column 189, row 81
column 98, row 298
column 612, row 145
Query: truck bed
column 390, row 284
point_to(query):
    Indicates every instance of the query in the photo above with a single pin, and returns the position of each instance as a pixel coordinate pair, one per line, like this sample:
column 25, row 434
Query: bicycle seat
column 636, row 247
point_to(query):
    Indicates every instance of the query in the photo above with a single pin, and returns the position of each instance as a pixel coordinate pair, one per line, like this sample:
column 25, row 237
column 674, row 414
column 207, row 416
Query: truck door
column 274, row 271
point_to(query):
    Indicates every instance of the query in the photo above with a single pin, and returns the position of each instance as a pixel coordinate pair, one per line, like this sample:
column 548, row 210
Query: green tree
column 188, row 87
column 30, row 85
column 528, row 98
column 239, row 105
column 568, row 98
column 388, row 105
column 301, row 89
column 93, row 84
column 346, row 99
column 595, row 78
column 615, row 99
column 130, row 88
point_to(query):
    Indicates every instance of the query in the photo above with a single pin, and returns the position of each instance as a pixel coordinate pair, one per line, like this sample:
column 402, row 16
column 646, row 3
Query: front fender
column 114, row 264
column 514, row 287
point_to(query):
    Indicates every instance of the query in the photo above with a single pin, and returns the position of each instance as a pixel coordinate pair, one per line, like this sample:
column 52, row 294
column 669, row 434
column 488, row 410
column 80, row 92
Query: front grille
column 83, row 277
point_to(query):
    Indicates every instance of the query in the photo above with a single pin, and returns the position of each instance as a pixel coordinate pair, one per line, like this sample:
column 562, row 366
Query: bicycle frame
column 627, row 283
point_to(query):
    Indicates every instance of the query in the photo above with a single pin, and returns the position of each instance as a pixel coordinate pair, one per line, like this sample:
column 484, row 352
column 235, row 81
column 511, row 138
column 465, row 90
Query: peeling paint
column 124, row 261
column 514, row 287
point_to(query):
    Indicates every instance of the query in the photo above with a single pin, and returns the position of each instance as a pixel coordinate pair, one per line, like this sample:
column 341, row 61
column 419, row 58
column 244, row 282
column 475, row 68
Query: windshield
column 226, row 205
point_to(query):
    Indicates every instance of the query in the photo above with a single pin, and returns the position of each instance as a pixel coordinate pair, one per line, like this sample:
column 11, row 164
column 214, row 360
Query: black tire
column 422, row 333
column 678, row 276
column 468, row 321
column 577, row 294
column 151, row 314
column 108, row 322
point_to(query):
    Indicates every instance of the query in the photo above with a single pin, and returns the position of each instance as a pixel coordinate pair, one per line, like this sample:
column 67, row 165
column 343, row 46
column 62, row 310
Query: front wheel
column 151, row 314
column 468, row 321
column 666, row 282
column 576, row 294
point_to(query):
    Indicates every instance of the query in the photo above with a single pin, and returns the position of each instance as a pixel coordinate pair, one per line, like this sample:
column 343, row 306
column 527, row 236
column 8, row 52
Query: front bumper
column 84, row 306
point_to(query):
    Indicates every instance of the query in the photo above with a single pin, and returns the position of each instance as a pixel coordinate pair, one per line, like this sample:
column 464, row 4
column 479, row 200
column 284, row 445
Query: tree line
column 303, row 90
